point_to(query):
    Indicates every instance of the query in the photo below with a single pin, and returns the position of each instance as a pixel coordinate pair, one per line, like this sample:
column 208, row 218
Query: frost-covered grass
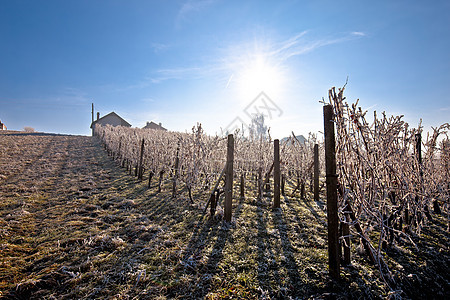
column 73, row 224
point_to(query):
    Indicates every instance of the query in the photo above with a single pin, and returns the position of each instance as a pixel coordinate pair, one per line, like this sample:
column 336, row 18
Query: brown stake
column 316, row 172
column 276, row 174
column 229, row 179
column 161, row 174
column 302, row 191
column 259, row 183
column 214, row 199
column 175, row 177
column 242, row 186
column 141, row 158
column 331, row 181
column 150, row 176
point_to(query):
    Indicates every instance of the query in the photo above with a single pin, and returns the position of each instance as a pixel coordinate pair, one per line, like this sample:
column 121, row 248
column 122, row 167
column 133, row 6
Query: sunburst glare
column 257, row 72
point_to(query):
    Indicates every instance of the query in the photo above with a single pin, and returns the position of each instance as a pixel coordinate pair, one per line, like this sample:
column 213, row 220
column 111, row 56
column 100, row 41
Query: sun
column 258, row 73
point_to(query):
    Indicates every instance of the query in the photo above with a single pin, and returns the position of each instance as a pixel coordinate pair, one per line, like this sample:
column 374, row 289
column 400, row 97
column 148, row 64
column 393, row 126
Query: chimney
column 160, row 124
column 98, row 116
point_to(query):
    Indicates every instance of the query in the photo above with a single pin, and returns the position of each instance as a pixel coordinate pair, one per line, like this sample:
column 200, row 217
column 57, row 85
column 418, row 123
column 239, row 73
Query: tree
column 257, row 128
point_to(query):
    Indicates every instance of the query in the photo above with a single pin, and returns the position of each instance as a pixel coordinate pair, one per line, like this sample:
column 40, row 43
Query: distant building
column 2, row 126
column 152, row 125
column 112, row 119
column 300, row 138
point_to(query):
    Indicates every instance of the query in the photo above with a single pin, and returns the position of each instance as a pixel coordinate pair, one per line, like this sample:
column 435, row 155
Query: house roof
column 112, row 114
column 153, row 125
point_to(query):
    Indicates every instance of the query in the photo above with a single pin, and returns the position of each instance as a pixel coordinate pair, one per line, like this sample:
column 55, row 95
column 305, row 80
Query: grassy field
column 75, row 225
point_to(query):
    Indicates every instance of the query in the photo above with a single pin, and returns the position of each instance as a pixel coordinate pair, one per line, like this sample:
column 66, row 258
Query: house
column 300, row 138
column 152, row 125
column 112, row 119
column 2, row 126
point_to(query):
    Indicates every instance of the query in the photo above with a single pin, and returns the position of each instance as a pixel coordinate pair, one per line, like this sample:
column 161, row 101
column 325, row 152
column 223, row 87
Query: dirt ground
column 75, row 225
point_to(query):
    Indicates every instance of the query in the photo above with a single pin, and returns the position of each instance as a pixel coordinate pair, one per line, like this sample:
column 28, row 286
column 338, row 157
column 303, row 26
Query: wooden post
column 175, row 177
column 150, row 176
column 276, row 174
column 260, row 181
column 242, row 186
column 141, row 159
column 214, row 199
column 331, row 181
column 316, row 172
column 436, row 207
column 283, row 183
column 419, row 148
column 92, row 123
column 302, row 187
column 391, row 231
column 229, row 179
column 120, row 146
column 161, row 174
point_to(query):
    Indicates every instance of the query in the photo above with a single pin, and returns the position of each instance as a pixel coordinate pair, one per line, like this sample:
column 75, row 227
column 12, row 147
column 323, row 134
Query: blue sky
column 183, row 62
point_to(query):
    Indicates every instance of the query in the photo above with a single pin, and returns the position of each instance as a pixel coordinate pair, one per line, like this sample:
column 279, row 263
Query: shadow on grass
column 224, row 235
column 290, row 263
column 192, row 262
column 296, row 215
column 266, row 256
column 316, row 215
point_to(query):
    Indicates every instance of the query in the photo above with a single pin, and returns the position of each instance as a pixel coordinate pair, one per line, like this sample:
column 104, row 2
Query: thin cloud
column 299, row 45
column 358, row 33
column 176, row 73
column 296, row 45
column 134, row 86
column 229, row 81
column 190, row 7
column 289, row 43
column 159, row 47
column 147, row 100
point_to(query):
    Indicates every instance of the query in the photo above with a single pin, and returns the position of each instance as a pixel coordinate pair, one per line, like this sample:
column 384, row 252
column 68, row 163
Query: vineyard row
column 381, row 175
